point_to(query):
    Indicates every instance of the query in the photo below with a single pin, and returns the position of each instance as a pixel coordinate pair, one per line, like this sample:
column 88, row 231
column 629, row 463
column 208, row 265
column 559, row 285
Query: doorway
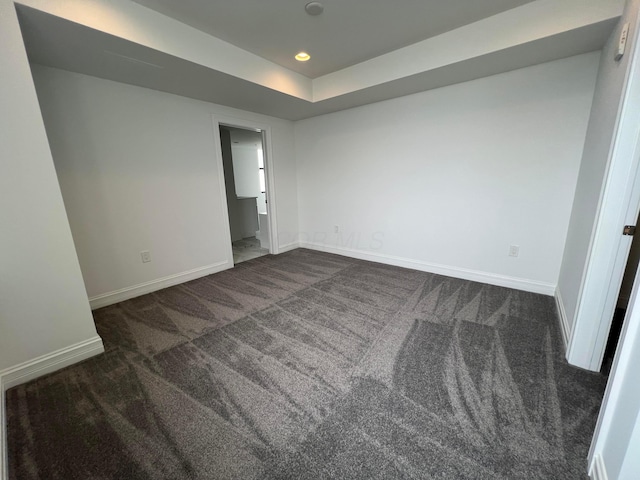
column 243, row 162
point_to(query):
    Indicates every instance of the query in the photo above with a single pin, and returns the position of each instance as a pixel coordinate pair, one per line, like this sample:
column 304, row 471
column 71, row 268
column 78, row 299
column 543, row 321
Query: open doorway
column 246, row 189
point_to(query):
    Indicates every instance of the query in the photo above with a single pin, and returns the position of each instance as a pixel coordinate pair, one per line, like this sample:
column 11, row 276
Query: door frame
column 619, row 205
column 269, row 174
column 617, row 403
column 609, row 249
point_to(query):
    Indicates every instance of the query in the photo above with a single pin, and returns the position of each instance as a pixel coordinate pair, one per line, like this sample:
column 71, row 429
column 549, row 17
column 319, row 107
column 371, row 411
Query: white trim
column 619, row 204
column 50, row 362
column 123, row 294
column 533, row 286
column 564, row 321
column 288, row 247
column 623, row 372
column 599, row 470
column 35, row 368
column 269, row 171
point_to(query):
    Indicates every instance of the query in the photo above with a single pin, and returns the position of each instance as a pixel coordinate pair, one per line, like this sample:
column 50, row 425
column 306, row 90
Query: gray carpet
column 306, row 366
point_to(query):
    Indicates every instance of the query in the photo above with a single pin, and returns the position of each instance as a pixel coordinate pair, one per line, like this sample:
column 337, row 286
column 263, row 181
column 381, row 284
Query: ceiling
column 346, row 33
column 123, row 41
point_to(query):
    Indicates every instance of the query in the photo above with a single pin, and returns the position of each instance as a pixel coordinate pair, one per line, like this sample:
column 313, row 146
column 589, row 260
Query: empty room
column 277, row 239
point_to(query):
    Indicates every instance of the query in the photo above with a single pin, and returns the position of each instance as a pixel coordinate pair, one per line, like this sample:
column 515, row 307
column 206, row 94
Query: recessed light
column 303, row 56
column 314, row 8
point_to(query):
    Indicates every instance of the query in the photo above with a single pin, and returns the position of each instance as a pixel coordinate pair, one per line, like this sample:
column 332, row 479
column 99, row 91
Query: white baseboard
column 288, row 247
column 123, row 294
column 50, row 363
column 457, row 272
column 599, row 470
column 35, row 368
column 564, row 321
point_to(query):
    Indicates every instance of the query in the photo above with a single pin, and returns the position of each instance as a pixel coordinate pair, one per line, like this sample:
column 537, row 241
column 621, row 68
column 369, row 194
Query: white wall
column 138, row 171
column 245, row 171
column 593, row 168
column 629, row 466
column 233, row 206
column 43, row 303
column 243, row 212
column 447, row 179
column 631, row 463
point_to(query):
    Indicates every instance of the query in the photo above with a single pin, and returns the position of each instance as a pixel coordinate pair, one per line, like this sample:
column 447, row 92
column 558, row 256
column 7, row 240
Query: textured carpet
column 308, row 365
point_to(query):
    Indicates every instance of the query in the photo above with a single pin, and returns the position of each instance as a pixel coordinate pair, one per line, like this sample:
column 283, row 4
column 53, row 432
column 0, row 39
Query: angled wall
column 45, row 320
column 43, row 303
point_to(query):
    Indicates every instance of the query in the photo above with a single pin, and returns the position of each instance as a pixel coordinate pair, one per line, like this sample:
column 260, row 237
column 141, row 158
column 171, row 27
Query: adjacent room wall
column 246, row 168
column 243, row 212
column 233, row 207
column 43, row 303
column 138, row 171
column 448, row 179
column 593, row 168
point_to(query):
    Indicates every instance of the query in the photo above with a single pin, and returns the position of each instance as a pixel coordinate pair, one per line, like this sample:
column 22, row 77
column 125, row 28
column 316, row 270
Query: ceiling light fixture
column 314, row 8
column 303, row 56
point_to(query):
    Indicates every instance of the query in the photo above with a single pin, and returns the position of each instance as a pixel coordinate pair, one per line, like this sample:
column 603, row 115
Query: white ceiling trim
column 528, row 23
column 138, row 24
column 197, row 65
